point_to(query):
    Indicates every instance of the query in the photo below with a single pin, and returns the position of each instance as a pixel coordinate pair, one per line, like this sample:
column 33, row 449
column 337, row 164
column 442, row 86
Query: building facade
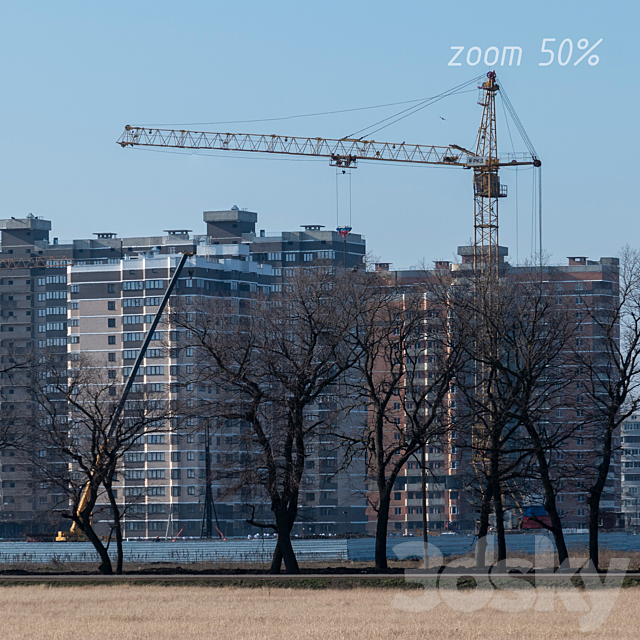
column 580, row 285
column 97, row 297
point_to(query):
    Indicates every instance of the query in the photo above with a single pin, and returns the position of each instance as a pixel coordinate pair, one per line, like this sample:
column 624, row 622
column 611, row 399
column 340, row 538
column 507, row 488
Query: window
column 112, row 357
column 397, row 511
column 326, row 255
column 580, row 441
column 75, row 288
column 155, row 456
column 155, row 474
column 154, row 371
column 56, row 326
column 152, row 302
column 132, row 302
column 111, row 305
column 111, row 288
column 191, row 455
column 154, row 284
column 155, row 439
column 154, row 353
column 134, row 457
column 75, row 305
column 453, row 511
column 133, row 337
column 176, row 491
column 111, row 323
column 57, row 295
column 56, row 279
column 111, row 340
column 289, row 257
column 132, row 285
column 112, row 374
column 581, row 512
column 41, row 282
column 134, row 474
column 56, row 311
column 176, row 474
column 277, row 255
column 131, row 320
column 191, row 491
column 308, row 257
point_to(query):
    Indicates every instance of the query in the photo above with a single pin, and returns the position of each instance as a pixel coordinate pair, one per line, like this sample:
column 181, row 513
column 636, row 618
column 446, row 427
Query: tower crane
column 485, row 161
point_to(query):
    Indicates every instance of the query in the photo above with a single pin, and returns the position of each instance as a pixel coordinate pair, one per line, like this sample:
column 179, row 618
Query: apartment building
column 630, row 462
column 581, row 284
column 98, row 296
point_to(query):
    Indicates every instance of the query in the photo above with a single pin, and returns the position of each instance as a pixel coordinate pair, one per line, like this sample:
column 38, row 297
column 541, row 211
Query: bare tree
column 272, row 359
column 15, row 373
column 407, row 355
column 608, row 357
column 78, row 440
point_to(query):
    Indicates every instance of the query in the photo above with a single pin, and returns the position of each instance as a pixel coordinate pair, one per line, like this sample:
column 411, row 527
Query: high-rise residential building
column 580, row 285
column 98, row 297
column 630, row 450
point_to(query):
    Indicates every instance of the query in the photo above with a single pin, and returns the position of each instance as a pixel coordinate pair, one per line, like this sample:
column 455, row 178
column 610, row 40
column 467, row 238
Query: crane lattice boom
column 342, row 153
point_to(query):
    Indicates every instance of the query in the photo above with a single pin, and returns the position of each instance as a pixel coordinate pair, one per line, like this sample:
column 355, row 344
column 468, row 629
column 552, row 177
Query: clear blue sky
column 74, row 73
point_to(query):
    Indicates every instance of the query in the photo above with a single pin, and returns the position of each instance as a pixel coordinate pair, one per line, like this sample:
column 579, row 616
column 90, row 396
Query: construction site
column 369, row 352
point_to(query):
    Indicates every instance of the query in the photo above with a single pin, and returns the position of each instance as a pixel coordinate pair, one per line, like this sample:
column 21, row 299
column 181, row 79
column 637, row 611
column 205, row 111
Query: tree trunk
column 594, row 517
column 105, row 567
column 276, row 560
column 284, row 549
column 86, row 526
column 549, row 494
column 499, row 510
column 381, row 532
column 556, row 522
column 483, row 529
column 117, row 524
column 595, row 495
column 288, row 555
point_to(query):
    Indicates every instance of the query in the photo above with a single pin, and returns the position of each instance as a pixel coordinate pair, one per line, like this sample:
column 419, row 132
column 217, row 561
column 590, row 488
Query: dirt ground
column 128, row 612
column 399, row 566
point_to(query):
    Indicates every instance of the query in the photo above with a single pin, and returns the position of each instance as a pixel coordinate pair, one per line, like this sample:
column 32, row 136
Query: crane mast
column 487, row 189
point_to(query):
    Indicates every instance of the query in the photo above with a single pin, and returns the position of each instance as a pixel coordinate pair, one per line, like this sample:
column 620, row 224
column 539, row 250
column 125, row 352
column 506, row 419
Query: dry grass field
column 199, row 613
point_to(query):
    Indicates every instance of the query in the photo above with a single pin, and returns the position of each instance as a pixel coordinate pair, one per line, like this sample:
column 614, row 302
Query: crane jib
column 343, row 152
